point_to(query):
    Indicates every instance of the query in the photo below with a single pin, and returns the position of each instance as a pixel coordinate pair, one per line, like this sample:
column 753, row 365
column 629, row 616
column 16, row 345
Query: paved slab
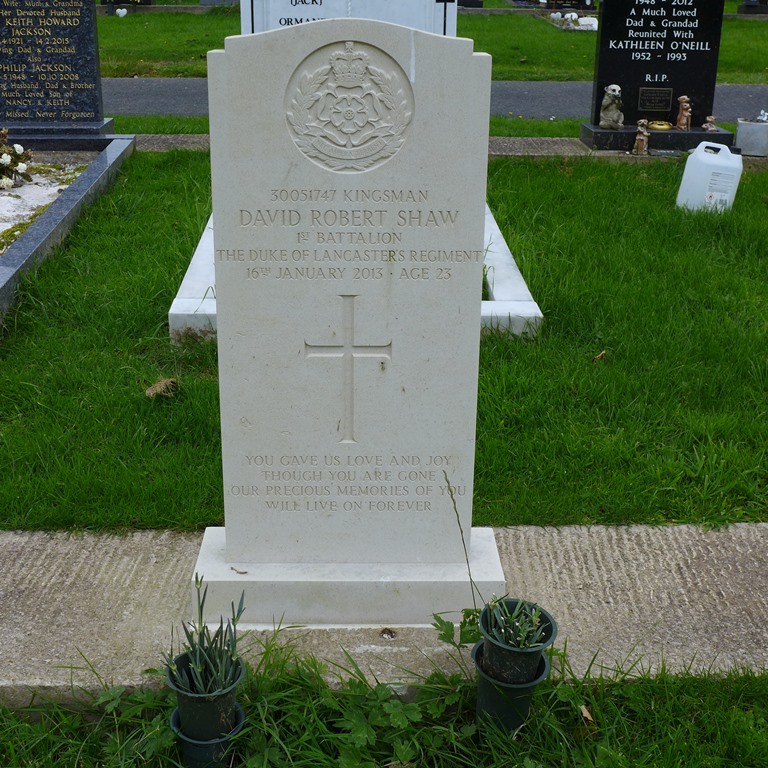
column 77, row 605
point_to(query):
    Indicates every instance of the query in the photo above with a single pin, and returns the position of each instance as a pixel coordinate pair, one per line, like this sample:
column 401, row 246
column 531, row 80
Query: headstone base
column 624, row 140
column 60, row 135
column 346, row 594
column 762, row 9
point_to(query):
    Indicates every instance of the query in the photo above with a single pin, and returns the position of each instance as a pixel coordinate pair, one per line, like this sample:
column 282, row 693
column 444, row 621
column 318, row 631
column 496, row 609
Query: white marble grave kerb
column 349, row 259
column 438, row 16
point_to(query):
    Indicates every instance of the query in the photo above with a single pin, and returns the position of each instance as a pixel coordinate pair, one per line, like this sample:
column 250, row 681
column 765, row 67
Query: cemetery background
column 153, row 360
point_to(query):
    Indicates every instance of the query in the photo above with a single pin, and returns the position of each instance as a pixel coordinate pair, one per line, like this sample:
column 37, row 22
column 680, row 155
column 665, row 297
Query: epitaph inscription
column 657, row 51
column 49, row 65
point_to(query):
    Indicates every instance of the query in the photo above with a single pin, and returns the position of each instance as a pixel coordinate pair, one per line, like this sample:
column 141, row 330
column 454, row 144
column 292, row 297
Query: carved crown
column 349, row 66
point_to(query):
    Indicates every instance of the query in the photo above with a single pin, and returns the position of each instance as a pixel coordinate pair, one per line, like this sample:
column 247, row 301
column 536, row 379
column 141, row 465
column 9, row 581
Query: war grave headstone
column 438, row 16
column 349, row 260
column 656, row 62
column 49, row 69
column 510, row 307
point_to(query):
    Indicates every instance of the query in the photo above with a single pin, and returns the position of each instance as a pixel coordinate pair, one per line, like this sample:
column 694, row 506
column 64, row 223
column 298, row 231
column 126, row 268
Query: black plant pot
column 205, row 716
column 508, row 664
column 206, row 754
column 504, row 704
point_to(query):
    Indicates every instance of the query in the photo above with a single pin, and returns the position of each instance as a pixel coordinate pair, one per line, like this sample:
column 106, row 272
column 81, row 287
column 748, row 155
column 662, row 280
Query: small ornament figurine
column 611, row 115
column 642, row 137
column 709, row 124
column 684, row 114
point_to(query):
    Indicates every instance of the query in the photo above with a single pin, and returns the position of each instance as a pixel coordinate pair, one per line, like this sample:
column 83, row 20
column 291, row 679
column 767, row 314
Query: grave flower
column 13, row 162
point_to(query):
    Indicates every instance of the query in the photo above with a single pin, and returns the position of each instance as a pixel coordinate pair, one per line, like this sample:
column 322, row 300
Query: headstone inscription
column 438, row 16
column 49, row 69
column 349, row 260
column 656, row 53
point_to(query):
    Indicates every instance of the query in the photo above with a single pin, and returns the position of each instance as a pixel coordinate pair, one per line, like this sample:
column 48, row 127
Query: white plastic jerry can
column 711, row 178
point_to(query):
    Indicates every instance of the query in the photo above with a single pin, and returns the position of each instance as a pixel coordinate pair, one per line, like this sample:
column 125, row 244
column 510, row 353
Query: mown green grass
column 294, row 718
column 666, row 426
column 523, row 46
column 86, row 341
column 168, row 124
column 163, row 44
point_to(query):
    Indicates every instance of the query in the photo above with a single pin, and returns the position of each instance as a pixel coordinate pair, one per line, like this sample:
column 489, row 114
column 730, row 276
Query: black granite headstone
column 49, row 68
column 657, row 51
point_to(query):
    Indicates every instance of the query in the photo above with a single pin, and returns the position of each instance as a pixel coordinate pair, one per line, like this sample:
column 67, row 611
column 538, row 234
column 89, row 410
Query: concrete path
column 542, row 100
column 78, row 606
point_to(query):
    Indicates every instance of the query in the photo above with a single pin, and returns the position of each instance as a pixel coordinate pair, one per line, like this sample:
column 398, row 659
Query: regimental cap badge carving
column 348, row 109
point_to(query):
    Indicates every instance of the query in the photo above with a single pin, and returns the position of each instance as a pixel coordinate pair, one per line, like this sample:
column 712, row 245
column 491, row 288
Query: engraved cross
column 347, row 351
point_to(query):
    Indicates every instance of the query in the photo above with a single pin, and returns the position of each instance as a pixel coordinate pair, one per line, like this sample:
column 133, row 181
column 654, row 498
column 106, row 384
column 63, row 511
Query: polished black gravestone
column 657, row 51
column 49, row 70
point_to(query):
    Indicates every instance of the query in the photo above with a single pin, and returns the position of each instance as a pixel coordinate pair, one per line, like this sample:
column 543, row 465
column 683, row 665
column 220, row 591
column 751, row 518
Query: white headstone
column 438, row 16
column 348, row 164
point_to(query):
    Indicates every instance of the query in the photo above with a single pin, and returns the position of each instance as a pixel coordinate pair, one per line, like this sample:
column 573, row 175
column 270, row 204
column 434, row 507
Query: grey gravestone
column 49, row 68
column 657, row 51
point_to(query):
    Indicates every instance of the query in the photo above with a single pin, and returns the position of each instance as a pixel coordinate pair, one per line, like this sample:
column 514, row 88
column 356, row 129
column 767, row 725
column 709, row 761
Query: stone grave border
column 34, row 245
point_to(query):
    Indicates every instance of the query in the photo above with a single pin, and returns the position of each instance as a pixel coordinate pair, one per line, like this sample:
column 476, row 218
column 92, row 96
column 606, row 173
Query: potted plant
column 510, row 638
column 752, row 135
column 205, row 676
column 515, row 635
column 510, row 659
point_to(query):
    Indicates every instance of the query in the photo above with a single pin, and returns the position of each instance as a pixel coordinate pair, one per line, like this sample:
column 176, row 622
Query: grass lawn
column 523, row 46
column 666, row 426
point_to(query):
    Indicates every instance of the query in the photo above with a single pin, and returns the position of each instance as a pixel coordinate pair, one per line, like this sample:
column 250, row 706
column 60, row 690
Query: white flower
column 18, row 149
column 21, row 167
column 5, row 159
column 5, row 182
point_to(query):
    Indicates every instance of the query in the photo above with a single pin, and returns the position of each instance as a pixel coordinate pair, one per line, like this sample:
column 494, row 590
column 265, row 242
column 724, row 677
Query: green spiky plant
column 519, row 627
column 214, row 662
